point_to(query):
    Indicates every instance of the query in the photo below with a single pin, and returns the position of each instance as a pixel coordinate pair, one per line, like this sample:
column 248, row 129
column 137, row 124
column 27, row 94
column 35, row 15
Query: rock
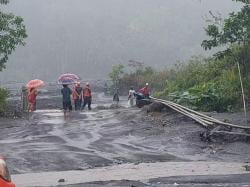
column 247, row 167
column 114, row 106
column 100, row 108
column 223, row 134
column 141, row 103
column 61, row 180
column 154, row 107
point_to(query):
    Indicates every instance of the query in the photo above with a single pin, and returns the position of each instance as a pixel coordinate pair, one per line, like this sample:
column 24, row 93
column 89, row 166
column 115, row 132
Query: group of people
column 144, row 93
column 81, row 97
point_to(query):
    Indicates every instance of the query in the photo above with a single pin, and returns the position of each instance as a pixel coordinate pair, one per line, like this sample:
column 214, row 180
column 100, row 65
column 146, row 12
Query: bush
column 3, row 97
column 207, row 85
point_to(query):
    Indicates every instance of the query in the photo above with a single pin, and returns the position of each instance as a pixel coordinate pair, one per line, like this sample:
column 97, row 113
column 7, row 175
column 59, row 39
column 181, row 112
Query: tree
column 233, row 30
column 12, row 34
column 115, row 75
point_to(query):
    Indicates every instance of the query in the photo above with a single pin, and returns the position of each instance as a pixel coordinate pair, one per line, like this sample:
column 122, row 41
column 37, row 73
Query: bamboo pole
column 242, row 91
column 200, row 115
column 200, row 121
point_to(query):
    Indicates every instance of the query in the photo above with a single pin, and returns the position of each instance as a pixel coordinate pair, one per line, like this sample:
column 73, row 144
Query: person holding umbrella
column 32, row 93
column 32, row 86
column 65, row 80
column 66, row 94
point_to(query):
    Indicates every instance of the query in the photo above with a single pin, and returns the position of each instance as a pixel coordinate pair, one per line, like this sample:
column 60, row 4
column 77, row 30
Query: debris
column 247, row 167
column 154, row 107
column 61, row 180
column 100, row 107
column 219, row 128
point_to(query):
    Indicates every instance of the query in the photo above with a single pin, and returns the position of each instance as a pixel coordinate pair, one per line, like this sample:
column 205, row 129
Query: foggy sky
column 87, row 37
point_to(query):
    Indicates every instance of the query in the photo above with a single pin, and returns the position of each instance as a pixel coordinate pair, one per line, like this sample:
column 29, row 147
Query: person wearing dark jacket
column 66, row 97
column 116, row 97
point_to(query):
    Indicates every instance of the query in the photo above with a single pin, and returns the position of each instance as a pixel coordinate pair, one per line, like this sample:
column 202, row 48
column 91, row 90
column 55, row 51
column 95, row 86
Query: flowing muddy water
column 102, row 137
column 47, row 142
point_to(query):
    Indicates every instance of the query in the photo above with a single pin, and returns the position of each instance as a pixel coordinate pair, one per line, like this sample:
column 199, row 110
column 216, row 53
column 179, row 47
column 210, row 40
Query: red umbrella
column 36, row 83
column 67, row 81
column 68, row 78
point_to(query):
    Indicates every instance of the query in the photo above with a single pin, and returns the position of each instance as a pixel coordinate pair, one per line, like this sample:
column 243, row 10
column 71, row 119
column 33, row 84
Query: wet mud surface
column 45, row 141
column 89, row 139
column 182, row 181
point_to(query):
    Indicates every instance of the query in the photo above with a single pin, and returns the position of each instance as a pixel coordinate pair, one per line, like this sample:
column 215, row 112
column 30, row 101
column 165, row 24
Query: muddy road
column 100, row 137
column 105, row 136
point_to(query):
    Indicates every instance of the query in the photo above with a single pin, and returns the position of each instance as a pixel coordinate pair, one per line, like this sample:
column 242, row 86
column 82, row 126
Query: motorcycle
column 141, row 100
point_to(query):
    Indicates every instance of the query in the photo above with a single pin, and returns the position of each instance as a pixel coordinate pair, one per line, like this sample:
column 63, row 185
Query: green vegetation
column 3, row 96
column 207, row 84
column 12, row 34
column 234, row 29
column 116, row 74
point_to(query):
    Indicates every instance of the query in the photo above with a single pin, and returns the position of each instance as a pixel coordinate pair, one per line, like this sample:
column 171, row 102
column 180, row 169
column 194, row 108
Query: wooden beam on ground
column 197, row 116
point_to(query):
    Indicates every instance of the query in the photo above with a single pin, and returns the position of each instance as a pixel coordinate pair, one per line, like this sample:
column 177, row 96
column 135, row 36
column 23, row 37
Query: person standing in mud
column 66, row 97
column 24, row 98
column 32, row 99
column 87, row 97
column 116, row 97
column 77, row 96
column 131, row 97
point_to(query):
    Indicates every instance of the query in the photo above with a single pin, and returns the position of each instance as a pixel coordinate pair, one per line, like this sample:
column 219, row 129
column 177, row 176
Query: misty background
column 87, row 37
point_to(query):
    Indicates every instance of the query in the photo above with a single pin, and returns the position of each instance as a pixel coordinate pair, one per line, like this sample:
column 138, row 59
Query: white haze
column 87, row 37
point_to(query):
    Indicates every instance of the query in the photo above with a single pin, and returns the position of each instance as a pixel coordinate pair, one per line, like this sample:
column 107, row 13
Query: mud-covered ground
column 45, row 141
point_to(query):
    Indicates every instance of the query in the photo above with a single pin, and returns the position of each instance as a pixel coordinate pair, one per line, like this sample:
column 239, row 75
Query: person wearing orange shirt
column 87, row 96
column 32, row 99
column 77, row 96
